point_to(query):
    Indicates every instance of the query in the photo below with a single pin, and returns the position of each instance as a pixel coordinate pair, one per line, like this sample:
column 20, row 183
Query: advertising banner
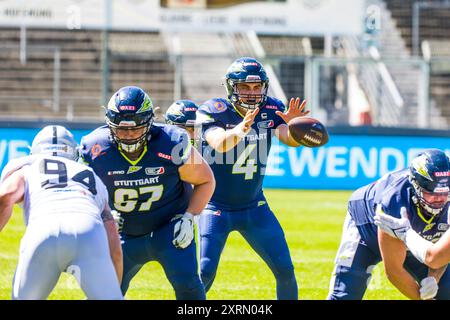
column 345, row 162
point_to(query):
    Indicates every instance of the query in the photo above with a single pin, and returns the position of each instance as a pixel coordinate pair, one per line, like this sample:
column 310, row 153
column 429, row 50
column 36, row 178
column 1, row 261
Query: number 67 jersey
column 148, row 192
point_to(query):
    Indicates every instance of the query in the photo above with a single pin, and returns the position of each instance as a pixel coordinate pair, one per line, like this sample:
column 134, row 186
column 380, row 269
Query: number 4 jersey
column 56, row 185
column 239, row 172
column 148, row 192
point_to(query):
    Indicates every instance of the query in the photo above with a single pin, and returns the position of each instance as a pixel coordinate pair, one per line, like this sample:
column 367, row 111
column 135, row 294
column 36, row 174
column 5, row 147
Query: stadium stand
column 27, row 88
column 433, row 27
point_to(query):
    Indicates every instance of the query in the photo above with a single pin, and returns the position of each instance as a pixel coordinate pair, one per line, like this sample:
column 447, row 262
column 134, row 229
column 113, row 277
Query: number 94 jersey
column 148, row 192
column 56, row 185
column 239, row 172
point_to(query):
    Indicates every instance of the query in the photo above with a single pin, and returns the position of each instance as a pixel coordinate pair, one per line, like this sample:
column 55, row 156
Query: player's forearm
column 437, row 255
column 433, row 255
column 404, row 282
column 7, row 201
column 5, row 214
column 436, row 258
column 226, row 140
column 437, row 273
column 200, row 197
column 115, row 248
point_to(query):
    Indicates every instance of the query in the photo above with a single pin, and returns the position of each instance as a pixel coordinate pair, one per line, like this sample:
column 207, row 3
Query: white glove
column 428, row 288
column 395, row 227
column 118, row 220
column 183, row 233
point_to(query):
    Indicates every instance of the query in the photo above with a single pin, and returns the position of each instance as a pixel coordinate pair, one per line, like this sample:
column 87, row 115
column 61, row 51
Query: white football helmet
column 56, row 141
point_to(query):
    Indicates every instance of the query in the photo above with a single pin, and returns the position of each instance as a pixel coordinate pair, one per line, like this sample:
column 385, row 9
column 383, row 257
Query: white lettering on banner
column 369, row 166
column 338, row 162
column 15, row 145
column 385, row 154
column 334, row 161
column 314, row 164
column 12, row 147
column 275, row 161
column 3, row 144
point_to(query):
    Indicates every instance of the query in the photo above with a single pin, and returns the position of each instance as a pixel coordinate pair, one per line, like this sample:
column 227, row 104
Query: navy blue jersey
column 239, row 173
column 148, row 192
column 392, row 192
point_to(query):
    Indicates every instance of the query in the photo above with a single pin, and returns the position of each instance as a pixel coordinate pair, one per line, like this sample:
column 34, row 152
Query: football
column 308, row 131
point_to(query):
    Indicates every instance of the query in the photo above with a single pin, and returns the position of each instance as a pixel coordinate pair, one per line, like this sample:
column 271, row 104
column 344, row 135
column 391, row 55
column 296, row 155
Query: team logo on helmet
column 420, row 164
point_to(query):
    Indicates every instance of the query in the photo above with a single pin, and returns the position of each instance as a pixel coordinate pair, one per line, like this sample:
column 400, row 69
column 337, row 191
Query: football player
column 435, row 255
column 241, row 128
column 66, row 211
column 418, row 194
column 182, row 113
column 148, row 169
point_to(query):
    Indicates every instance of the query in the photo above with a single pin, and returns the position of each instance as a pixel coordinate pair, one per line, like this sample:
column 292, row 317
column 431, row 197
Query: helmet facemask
column 129, row 110
column 245, row 100
column 246, row 70
column 421, row 198
column 133, row 145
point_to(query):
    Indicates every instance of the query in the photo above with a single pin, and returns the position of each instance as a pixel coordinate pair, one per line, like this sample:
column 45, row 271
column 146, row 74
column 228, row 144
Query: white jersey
column 56, row 185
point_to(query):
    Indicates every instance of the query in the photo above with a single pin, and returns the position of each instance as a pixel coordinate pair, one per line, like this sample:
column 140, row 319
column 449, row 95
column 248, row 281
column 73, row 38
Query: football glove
column 118, row 220
column 428, row 288
column 396, row 228
column 183, row 232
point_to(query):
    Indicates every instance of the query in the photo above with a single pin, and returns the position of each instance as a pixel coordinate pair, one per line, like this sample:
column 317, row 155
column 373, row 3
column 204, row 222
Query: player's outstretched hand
column 428, row 288
column 296, row 109
column 249, row 119
column 243, row 128
column 183, row 232
column 396, row 228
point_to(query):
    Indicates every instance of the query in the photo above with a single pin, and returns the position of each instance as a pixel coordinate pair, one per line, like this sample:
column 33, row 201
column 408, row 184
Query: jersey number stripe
column 126, row 200
column 245, row 165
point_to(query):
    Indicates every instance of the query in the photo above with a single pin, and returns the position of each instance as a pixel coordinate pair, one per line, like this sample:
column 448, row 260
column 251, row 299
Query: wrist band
column 239, row 131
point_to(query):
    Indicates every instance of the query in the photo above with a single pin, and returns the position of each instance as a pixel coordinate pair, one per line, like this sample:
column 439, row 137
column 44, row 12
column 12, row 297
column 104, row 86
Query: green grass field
column 312, row 221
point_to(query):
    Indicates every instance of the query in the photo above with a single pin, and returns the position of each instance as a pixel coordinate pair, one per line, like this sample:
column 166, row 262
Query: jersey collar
column 134, row 162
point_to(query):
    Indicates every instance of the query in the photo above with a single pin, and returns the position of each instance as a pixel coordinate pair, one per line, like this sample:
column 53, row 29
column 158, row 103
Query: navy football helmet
column 182, row 113
column 130, row 108
column 429, row 175
column 246, row 70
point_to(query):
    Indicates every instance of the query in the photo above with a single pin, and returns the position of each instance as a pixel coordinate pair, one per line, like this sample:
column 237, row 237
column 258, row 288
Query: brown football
column 308, row 131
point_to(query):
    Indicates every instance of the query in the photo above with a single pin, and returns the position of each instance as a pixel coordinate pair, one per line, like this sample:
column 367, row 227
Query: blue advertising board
column 345, row 162
column 348, row 161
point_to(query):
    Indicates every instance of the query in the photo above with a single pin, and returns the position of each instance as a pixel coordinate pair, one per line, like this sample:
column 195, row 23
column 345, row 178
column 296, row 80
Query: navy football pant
column 180, row 265
column 358, row 255
column 262, row 231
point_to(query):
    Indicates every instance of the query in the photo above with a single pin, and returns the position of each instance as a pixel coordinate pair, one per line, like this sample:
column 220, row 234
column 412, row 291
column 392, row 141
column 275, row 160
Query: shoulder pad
column 15, row 165
column 275, row 104
column 214, row 106
column 93, row 143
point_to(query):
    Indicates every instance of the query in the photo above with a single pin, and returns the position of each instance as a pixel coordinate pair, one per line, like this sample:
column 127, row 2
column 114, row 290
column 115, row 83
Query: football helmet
column 130, row 108
column 182, row 113
column 246, row 70
column 429, row 175
column 56, row 141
